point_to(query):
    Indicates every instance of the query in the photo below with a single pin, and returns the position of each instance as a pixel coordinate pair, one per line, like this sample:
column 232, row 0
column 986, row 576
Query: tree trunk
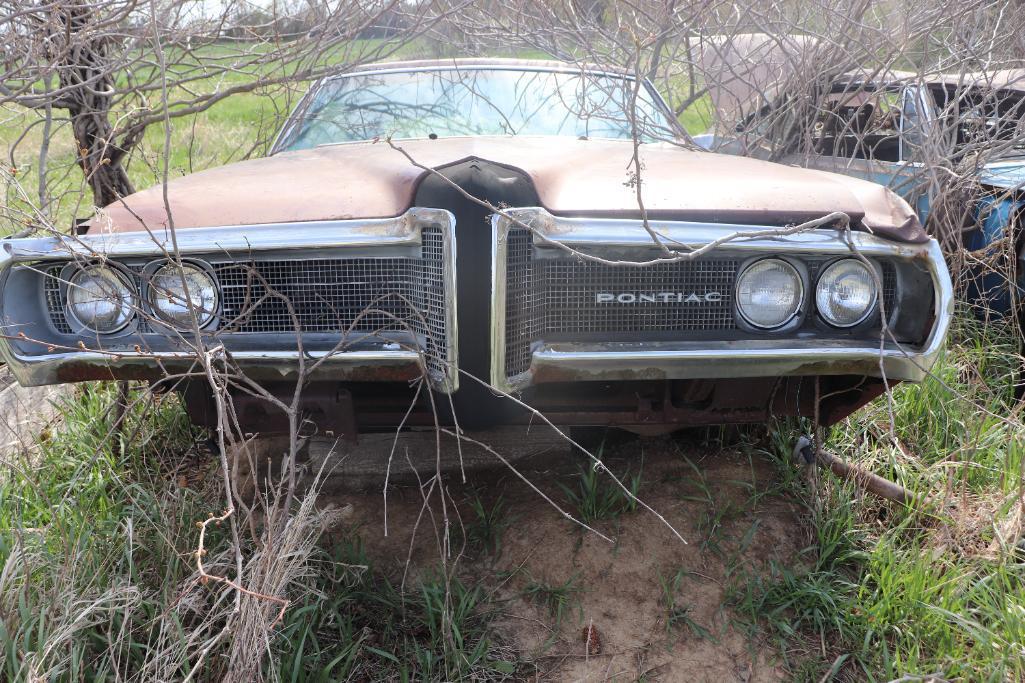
column 81, row 54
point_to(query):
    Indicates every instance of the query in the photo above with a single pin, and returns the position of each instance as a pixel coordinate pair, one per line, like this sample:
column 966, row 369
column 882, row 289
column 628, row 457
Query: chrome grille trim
column 517, row 356
column 231, row 239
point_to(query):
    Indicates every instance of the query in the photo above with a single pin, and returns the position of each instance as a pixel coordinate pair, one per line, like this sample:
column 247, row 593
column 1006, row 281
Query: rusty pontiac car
column 458, row 241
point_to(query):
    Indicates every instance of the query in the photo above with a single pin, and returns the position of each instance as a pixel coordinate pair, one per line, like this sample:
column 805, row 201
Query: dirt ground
column 614, row 626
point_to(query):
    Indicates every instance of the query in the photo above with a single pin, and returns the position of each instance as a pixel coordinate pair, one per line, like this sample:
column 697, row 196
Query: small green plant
column 557, row 599
column 484, row 532
column 678, row 614
column 597, row 496
column 718, row 510
column 355, row 624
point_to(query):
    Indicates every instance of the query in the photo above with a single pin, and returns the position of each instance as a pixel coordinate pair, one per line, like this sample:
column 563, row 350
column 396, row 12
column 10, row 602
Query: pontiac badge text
column 658, row 297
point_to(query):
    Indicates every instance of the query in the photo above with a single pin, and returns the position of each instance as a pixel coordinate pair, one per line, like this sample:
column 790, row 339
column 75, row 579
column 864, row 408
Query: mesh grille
column 368, row 295
column 570, row 291
column 430, row 297
column 561, row 296
column 889, row 288
column 522, row 324
column 323, row 295
column 54, row 302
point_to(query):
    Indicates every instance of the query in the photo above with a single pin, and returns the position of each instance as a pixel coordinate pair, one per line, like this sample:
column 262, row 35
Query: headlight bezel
column 796, row 319
column 873, row 307
column 75, row 269
column 153, row 269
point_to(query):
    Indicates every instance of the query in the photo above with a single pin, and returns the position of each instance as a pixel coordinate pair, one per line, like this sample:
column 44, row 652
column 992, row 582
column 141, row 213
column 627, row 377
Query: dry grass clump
column 98, row 573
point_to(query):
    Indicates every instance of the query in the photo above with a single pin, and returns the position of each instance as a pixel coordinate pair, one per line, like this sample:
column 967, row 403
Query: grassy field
column 98, row 530
column 893, row 592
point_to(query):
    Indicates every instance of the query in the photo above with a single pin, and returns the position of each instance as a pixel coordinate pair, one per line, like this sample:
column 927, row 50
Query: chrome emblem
column 657, row 298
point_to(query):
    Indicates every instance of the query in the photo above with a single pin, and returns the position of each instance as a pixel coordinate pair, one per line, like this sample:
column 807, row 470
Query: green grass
column 883, row 592
column 698, row 117
column 597, row 496
column 557, row 598
column 96, row 573
column 485, row 528
column 91, row 547
column 677, row 612
column 355, row 624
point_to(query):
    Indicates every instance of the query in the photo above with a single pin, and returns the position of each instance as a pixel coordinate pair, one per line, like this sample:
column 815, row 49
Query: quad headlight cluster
column 770, row 293
column 104, row 299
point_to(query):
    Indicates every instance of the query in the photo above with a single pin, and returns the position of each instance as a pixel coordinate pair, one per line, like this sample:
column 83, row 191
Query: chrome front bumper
column 573, row 361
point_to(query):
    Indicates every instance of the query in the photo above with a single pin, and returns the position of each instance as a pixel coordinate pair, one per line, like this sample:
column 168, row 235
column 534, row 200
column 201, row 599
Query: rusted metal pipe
column 804, row 451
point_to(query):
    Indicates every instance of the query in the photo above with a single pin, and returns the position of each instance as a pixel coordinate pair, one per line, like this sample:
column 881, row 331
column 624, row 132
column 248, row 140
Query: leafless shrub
column 111, row 71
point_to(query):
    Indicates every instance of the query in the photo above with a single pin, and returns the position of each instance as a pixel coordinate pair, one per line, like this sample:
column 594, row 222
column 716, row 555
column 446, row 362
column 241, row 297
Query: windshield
column 460, row 102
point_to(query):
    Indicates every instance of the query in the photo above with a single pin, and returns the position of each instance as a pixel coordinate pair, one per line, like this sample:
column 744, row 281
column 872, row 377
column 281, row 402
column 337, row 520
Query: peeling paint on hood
column 573, row 177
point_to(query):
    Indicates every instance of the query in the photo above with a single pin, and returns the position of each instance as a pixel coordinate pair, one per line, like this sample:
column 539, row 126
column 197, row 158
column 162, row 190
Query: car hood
column 1007, row 174
column 572, row 177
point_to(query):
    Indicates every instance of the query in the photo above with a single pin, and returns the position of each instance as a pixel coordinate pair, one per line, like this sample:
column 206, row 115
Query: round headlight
column 769, row 293
column 846, row 293
column 101, row 299
column 172, row 288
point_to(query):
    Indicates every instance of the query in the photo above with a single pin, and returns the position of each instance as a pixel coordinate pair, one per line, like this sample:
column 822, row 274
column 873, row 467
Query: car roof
column 996, row 79
column 488, row 63
column 745, row 71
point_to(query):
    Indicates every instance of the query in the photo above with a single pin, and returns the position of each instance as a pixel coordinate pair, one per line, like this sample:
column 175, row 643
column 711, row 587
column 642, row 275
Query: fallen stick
column 873, row 483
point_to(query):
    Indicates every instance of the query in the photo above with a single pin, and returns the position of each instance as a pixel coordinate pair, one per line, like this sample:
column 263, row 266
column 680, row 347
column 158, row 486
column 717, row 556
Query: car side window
column 859, row 125
column 976, row 117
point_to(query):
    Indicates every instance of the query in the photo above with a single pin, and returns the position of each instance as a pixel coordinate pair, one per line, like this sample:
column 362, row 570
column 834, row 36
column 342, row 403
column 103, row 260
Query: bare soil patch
column 625, row 617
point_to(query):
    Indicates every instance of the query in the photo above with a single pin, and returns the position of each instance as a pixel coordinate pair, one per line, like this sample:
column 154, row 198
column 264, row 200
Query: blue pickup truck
column 931, row 139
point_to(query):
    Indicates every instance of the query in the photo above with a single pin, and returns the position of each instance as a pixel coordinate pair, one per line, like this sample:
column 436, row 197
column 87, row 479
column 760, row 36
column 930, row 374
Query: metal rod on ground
column 873, row 483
